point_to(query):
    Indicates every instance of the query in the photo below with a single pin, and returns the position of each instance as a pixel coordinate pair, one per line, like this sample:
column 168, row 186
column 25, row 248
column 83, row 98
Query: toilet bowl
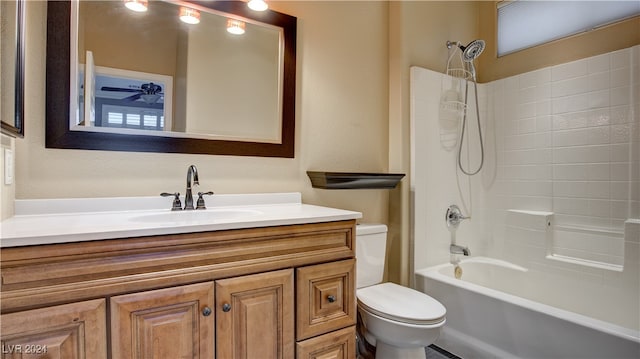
column 398, row 320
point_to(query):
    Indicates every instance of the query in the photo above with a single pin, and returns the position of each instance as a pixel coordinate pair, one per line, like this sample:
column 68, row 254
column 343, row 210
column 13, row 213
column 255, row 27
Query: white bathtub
column 487, row 323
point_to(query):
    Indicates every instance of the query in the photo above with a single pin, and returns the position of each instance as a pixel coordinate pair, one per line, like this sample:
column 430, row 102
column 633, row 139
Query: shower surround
column 559, row 193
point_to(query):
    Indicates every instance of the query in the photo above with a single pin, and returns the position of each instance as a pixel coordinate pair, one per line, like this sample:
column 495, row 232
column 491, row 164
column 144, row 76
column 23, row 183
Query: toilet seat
column 402, row 304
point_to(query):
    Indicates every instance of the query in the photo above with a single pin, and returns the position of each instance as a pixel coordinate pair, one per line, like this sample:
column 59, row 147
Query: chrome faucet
column 456, row 249
column 192, row 171
column 192, row 179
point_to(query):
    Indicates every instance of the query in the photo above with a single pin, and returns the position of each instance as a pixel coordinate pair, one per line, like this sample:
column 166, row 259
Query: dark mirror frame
column 59, row 135
column 17, row 129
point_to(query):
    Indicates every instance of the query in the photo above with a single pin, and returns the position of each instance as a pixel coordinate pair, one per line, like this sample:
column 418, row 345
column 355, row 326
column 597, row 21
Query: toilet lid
column 395, row 302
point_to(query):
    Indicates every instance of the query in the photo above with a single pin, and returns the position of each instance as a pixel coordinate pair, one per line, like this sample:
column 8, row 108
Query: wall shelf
column 350, row 180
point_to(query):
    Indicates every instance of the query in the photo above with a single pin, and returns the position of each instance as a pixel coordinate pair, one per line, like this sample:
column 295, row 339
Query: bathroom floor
column 367, row 351
column 435, row 352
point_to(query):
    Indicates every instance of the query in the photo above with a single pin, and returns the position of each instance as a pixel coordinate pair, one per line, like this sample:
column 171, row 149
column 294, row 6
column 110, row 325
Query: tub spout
column 456, row 249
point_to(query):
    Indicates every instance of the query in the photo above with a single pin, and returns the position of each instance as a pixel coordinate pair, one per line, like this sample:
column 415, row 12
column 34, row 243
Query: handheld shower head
column 468, row 54
column 472, row 51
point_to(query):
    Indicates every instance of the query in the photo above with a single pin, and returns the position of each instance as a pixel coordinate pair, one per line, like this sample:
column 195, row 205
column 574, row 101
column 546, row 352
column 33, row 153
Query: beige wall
column 342, row 110
column 7, row 191
column 151, row 50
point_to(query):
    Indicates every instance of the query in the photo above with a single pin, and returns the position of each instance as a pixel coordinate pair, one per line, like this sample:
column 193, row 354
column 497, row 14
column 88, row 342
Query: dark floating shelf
column 346, row 180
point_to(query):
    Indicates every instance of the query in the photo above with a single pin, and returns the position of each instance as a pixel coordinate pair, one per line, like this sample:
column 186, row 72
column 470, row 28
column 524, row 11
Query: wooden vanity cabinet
column 275, row 292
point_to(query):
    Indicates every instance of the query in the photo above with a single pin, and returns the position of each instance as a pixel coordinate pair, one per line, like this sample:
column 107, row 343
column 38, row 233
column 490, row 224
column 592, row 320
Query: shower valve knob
column 454, row 216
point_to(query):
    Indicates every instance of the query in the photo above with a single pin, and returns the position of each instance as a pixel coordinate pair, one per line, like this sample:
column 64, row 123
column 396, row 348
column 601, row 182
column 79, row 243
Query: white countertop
column 72, row 220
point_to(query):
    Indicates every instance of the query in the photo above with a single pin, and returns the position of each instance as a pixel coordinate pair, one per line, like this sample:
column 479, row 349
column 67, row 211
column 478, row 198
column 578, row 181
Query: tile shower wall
column 569, row 143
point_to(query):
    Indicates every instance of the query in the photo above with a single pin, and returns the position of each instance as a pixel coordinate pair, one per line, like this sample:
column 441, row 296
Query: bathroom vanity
column 280, row 284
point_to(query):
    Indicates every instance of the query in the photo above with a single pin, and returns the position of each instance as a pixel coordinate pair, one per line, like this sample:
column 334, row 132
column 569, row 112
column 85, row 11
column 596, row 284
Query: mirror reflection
column 12, row 67
column 216, row 76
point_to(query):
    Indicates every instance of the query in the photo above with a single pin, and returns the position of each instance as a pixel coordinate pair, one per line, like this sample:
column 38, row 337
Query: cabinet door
column 174, row 322
column 69, row 331
column 340, row 344
column 255, row 316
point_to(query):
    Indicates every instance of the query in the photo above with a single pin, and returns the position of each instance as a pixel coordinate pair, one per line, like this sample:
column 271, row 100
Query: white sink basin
column 195, row 216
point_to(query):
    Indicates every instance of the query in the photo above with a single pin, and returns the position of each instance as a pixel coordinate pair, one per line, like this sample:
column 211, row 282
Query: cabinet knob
column 226, row 307
column 206, row 311
column 331, row 298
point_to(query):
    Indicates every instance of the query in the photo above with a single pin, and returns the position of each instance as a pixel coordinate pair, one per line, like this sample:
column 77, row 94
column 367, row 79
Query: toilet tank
column 371, row 248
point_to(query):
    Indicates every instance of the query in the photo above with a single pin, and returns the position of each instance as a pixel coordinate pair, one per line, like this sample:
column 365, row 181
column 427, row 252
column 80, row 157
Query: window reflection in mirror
column 126, row 100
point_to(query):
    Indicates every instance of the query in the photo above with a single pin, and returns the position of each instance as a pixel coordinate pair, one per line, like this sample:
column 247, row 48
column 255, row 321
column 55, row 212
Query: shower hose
column 464, row 122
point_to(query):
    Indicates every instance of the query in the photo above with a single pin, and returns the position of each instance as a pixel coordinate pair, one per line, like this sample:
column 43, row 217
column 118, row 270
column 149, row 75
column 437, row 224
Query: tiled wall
column 569, row 138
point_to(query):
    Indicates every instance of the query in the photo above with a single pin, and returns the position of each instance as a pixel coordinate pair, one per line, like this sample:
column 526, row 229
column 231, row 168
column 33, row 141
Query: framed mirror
column 147, row 82
column 12, row 67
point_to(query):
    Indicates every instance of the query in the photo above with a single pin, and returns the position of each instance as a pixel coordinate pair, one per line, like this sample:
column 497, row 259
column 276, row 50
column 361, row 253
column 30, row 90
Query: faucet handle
column 177, row 205
column 454, row 216
column 200, row 202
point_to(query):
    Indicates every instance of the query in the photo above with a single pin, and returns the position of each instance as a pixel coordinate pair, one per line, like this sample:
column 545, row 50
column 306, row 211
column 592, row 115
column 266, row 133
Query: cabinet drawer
column 340, row 344
column 326, row 298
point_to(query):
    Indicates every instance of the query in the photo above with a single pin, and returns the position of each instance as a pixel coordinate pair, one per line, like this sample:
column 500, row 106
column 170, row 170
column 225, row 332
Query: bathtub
column 483, row 322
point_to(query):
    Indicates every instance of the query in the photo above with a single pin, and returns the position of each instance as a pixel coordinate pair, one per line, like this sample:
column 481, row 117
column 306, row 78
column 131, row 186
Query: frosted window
column 523, row 24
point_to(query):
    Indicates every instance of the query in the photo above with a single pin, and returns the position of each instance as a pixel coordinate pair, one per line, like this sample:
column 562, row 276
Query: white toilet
column 399, row 321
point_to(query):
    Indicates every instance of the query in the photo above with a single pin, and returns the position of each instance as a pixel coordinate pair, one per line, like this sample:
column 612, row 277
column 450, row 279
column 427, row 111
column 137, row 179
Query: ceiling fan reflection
column 149, row 92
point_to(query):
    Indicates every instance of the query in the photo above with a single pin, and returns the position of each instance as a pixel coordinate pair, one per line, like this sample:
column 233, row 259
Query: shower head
column 472, row 51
